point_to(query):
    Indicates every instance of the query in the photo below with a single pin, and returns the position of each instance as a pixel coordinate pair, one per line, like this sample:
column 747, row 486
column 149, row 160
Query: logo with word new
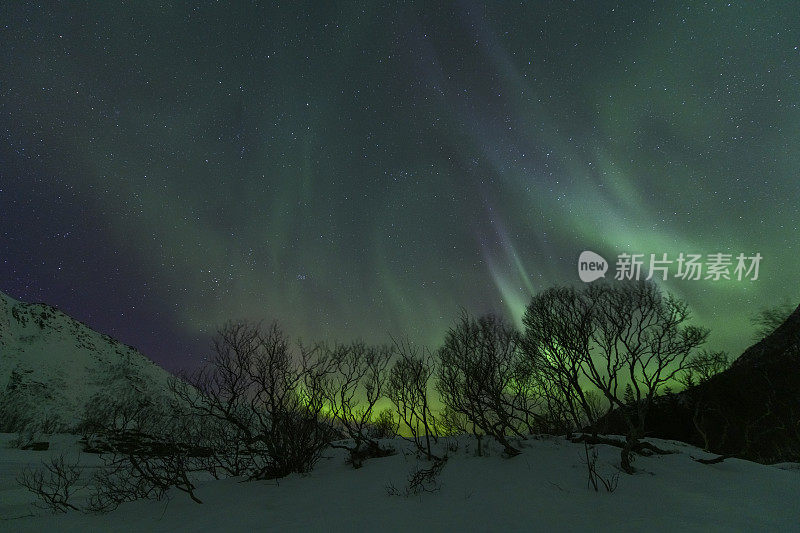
column 686, row 266
column 591, row 266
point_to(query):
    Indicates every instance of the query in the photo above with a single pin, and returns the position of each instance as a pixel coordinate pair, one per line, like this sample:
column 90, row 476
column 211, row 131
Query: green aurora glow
column 358, row 171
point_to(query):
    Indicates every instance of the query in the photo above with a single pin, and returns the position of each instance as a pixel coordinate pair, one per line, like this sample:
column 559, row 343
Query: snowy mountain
column 52, row 364
column 750, row 411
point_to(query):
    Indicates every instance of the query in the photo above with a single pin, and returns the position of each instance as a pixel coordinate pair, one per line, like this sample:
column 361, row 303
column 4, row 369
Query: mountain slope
column 750, row 411
column 52, row 364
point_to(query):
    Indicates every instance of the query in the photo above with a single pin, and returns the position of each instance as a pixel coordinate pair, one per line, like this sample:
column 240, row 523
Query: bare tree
column 767, row 320
column 641, row 339
column 223, row 454
column 55, row 484
column 140, row 474
column 482, row 375
column 409, row 381
column 593, row 477
column 615, row 335
column 121, row 383
column 264, row 402
column 702, row 367
column 350, row 389
column 421, row 480
column 148, row 448
column 385, row 426
column 558, row 327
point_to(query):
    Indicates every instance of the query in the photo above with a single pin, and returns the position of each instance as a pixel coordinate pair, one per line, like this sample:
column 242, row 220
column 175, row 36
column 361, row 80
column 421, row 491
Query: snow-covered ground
column 542, row 489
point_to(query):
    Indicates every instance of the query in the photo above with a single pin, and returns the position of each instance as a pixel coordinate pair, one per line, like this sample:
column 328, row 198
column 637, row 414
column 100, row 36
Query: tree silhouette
column 483, row 376
column 611, row 336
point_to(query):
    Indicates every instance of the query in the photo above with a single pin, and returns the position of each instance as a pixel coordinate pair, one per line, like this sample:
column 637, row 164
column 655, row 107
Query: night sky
column 361, row 170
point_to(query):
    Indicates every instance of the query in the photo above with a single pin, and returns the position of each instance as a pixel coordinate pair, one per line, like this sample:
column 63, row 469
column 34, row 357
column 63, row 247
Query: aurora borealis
column 361, row 170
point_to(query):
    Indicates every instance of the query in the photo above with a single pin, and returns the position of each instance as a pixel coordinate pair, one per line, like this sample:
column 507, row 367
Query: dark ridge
column 784, row 338
column 750, row 411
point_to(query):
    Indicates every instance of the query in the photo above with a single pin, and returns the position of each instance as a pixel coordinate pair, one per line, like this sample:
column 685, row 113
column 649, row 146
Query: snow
column 60, row 361
column 542, row 489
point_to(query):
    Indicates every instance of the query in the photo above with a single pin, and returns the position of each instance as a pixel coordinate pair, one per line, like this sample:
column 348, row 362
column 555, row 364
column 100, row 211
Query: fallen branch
column 713, row 461
column 642, row 448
